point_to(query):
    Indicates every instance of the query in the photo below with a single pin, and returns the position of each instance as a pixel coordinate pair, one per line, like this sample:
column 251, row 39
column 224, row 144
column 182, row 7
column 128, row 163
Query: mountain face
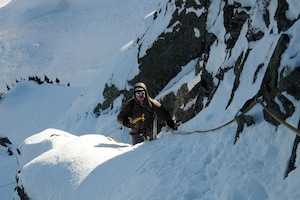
column 192, row 52
column 222, row 38
column 228, row 45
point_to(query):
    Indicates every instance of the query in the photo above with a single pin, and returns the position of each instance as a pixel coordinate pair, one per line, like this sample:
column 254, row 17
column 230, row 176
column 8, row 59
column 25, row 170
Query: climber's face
column 140, row 96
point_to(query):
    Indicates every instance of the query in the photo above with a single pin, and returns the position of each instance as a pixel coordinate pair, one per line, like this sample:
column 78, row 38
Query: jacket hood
column 141, row 85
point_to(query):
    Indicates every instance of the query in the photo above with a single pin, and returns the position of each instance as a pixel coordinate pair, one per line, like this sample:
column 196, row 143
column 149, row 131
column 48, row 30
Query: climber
column 140, row 114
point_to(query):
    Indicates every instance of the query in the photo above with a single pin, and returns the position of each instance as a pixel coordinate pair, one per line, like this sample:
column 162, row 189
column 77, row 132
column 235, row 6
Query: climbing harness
column 142, row 117
column 142, row 132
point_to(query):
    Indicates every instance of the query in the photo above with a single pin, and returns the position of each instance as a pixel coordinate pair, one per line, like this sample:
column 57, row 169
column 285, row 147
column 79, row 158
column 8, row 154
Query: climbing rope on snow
column 7, row 184
column 219, row 127
column 119, row 128
column 201, row 131
column 270, row 112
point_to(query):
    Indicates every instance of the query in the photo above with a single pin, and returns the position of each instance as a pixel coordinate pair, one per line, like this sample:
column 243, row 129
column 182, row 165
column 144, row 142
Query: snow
column 188, row 167
column 186, row 75
column 73, row 170
column 27, row 102
column 293, row 12
column 4, row 3
column 68, row 153
column 72, row 40
column 158, row 26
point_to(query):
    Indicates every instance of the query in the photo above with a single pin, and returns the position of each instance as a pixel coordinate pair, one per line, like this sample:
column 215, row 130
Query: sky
column 68, row 153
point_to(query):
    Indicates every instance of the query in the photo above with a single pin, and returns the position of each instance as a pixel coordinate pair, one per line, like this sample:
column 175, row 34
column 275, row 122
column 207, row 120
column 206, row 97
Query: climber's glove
column 172, row 124
column 127, row 123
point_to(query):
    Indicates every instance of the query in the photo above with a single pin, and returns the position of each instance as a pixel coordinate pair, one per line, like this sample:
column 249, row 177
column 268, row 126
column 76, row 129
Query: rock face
column 174, row 48
column 221, row 39
column 189, row 36
column 5, row 143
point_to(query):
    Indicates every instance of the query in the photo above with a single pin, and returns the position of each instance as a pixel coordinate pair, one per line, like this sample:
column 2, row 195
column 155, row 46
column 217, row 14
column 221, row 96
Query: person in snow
column 140, row 114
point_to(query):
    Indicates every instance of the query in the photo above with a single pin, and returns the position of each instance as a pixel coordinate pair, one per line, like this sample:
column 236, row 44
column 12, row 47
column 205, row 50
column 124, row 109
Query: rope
column 7, row 184
column 217, row 128
column 119, row 128
column 297, row 131
column 202, row 131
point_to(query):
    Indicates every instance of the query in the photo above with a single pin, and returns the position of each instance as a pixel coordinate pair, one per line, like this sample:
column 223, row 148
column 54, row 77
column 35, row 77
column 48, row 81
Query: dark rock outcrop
column 174, row 48
column 5, row 142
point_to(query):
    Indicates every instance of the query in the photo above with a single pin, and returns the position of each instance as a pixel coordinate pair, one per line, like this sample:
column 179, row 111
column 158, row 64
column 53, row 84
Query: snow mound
column 61, row 161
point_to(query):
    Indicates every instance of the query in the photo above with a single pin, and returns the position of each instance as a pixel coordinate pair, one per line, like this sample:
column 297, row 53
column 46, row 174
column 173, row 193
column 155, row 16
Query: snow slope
column 58, row 165
column 64, row 151
column 72, row 40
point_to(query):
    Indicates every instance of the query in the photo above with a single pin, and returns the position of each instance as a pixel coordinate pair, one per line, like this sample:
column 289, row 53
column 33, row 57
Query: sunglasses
column 140, row 93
